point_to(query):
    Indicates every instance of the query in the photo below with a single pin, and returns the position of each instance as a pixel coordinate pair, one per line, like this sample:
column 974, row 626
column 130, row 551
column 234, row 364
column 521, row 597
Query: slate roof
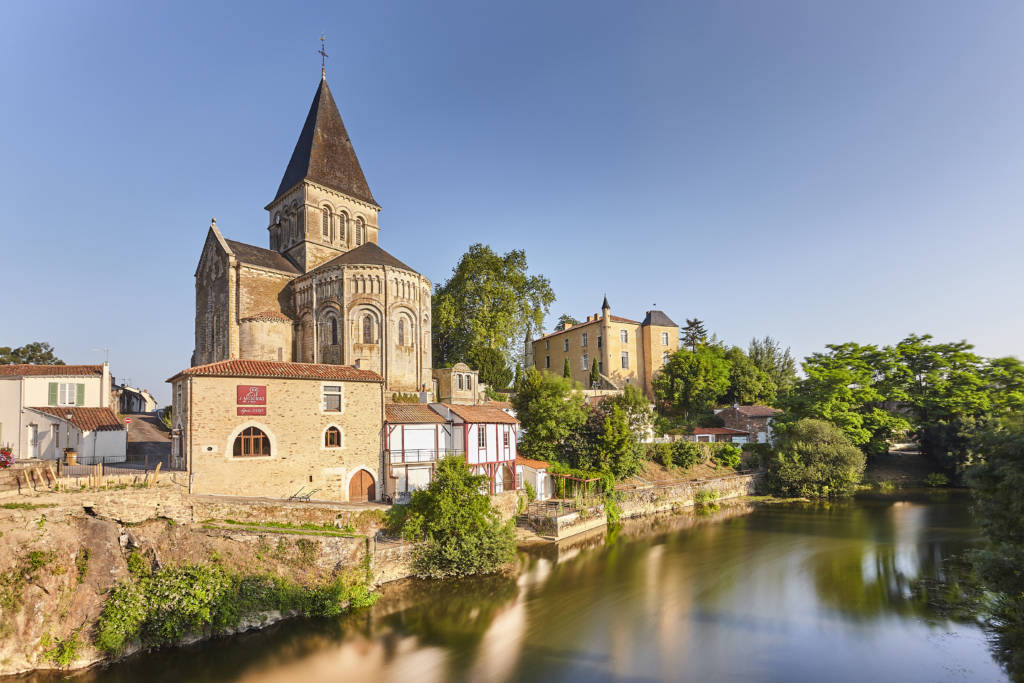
column 412, row 413
column 31, row 370
column 258, row 256
column 368, row 254
column 324, row 152
column 481, row 414
column 658, row 318
column 87, row 419
column 280, row 370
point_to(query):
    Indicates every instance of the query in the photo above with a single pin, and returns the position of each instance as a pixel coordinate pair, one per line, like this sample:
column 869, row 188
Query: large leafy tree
column 605, row 443
column 847, row 387
column 549, row 410
column 748, row 384
column 493, row 368
column 461, row 533
column 691, row 382
column 490, row 301
column 815, row 458
column 39, row 353
column 636, row 408
column 775, row 362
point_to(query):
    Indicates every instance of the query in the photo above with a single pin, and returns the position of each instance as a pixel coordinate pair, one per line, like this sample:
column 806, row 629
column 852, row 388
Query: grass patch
column 25, row 570
column 286, row 528
column 82, row 564
column 26, row 506
column 62, row 652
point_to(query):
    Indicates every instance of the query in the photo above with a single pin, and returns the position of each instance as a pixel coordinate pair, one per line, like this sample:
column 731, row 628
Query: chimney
column 105, row 386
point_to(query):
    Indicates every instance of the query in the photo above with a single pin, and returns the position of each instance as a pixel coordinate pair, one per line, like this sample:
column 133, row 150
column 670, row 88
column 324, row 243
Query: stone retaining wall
column 652, row 499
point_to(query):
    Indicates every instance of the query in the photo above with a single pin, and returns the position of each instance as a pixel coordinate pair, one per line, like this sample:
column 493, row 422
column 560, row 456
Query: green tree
column 549, row 412
column 814, row 458
column 566, row 370
column 563, row 320
column 461, row 533
column 493, row 368
column 489, row 301
column 691, row 382
column 38, row 353
column 748, row 384
column 604, row 443
column 848, row 386
column 778, row 364
column 694, row 333
column 636, row 407
column 595, row 375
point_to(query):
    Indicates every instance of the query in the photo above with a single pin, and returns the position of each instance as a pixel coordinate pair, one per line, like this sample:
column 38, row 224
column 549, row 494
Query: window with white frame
column 624, row 336
column 481, row 436
column 583, row 362
column 583, row 339
column 664, row 338
column 625, row 360
column 565, row 344
column 66, row 393
column 504, row 439
column 332, row 398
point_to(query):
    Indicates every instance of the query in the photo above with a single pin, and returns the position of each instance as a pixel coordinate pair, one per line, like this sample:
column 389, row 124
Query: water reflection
column 804, row 592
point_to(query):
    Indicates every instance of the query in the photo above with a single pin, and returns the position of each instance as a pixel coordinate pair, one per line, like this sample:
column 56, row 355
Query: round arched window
column 251, row 443
column 332, row 438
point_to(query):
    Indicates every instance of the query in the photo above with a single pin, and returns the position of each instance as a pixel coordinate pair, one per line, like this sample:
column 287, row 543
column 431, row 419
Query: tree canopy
column 815, row 458
column 492, row 366
column 563, row 320
column 490, row 301
column 39, row 353
column 691, row 382
column 549, row 411
column 694, row 333
column 769, row 357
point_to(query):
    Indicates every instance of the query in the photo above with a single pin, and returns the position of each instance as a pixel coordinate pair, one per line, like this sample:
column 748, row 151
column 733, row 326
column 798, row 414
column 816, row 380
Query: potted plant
column 70, row 456
column 6, row 457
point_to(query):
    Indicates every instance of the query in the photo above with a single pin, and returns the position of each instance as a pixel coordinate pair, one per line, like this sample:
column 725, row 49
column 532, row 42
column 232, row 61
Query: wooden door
column 361, row 487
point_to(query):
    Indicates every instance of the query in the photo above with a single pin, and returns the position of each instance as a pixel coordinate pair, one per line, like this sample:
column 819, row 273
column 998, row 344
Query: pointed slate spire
column 604, row 304
column 324, row 152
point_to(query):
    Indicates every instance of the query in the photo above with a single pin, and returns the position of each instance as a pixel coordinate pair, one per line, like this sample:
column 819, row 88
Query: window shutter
column 80, row 395
column 51, row 399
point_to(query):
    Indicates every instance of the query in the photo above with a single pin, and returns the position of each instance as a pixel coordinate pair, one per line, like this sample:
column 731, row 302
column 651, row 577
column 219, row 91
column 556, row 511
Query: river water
column 782, row 592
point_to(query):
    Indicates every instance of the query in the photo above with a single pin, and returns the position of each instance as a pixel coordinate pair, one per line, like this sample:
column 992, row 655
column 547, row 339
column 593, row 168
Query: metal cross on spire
column 323, row 56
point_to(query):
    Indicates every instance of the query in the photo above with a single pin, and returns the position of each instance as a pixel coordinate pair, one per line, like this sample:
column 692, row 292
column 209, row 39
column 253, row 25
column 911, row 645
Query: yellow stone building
column 627, row 351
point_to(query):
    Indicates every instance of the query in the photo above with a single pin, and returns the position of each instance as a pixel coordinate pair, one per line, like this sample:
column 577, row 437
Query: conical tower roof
column 324, row 152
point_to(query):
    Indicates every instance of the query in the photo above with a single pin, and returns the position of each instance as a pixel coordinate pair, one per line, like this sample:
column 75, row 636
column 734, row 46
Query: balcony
column 413, row 456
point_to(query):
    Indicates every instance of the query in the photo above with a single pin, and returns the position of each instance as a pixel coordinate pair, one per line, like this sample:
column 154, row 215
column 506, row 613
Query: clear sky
column 818, row 171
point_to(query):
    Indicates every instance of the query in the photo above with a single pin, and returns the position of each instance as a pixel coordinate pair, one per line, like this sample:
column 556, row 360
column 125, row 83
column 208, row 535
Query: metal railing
column 407, row 456
column 114, row 466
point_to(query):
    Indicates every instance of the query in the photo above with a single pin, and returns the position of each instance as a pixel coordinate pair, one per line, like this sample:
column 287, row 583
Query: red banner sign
column 251, row 395
column 252, row 410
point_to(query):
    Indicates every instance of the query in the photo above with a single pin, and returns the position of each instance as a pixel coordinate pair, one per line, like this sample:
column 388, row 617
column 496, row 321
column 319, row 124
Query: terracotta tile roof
column 87, row 419
column 613, row 318
column 412, row 413
column 500, row 405
column 28, row 370
column 258, row 256
column 718, row 430
column 758, row 411
column 617, row 319
column 529, row 462
column 270, row 316
column 280, row 370
column 482, row 413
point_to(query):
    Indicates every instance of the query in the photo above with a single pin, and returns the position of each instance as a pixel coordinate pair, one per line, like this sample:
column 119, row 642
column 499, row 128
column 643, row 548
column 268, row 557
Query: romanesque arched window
column 342, row 224
column 251, row 443
column 334, row 331
column 401, row 331
column 459, row 377
column 327, row 223
column 360, row 228
column 301, row 224
column 332, row 438
column 367, row 330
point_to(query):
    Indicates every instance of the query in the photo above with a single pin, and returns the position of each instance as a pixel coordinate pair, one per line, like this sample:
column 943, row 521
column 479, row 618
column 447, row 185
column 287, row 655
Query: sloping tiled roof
column 268, row 316
column 280, row 370
column 324, row 152
column 258, row 256
column 412, row 413
column 87, row 419
column 500, row 405
column 368, row 254
column 613, row 318
column 530, row 462
column 718, row 430
column 758, row 411
column 658, row 318
column 481, row 414
column 30, row 370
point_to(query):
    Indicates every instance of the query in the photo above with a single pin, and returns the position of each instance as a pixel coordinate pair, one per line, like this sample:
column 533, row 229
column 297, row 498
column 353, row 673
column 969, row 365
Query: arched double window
column 459, row 380
column 367, row 330
column 251, row 443
column 360, row 229
column 332, row 438
column 469, row 382
column 401, row 331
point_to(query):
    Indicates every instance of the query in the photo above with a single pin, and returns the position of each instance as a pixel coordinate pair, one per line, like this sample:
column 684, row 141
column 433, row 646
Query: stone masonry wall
column 649, row 500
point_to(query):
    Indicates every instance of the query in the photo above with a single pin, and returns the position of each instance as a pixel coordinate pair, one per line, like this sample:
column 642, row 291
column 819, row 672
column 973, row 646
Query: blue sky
column 816, row 171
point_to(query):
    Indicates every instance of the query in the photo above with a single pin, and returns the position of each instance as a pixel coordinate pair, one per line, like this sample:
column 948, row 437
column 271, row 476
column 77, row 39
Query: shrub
column 726, row 454
column 936, row 479
column 661, row 453
column 461, row 533
column 705, row 497
column 815, row 459
column 531, row 493
column 686, row 454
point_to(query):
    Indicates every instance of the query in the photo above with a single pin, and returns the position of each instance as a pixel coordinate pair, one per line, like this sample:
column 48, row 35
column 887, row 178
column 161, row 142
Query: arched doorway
column 361, row 487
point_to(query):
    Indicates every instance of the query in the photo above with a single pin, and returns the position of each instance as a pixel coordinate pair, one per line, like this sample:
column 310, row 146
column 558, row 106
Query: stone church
column 324, row 292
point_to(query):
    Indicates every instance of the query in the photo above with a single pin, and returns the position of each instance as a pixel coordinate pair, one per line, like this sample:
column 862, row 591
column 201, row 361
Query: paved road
column 147, row 439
